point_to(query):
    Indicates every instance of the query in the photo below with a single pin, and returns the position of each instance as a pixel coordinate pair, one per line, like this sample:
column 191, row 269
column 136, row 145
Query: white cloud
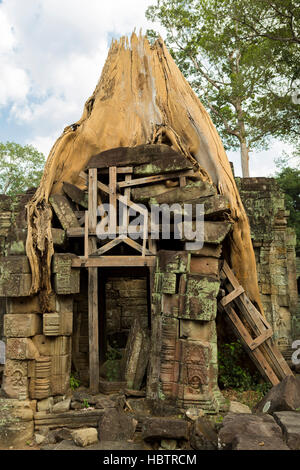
column 14, row 82
column 52, row 54
column 6, row 36
column 261, row 163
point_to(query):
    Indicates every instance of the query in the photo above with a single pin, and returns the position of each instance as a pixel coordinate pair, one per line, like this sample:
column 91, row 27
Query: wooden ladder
column 252, row 329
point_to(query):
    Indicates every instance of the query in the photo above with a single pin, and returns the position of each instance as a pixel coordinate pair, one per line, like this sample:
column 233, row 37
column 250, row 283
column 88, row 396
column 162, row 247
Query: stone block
column 116, row 425
column 203, row 436
column 136, row 355
column 195, row 330
column 58, row 236
column 15, row 285
column 56, row 324
column 85, row 437
column 27, row 304
column 21, row 349
column 61, row 365
column 15, row 379
column 5, row 223
column 46, row 404
column 14, row 265
column 170, row 305
column 237, row 407
column 289, row 421
column 249, row 426
column 169, row 283
column 66, row 279
column 255, row 443
column 195, row 361
column 199, row 301
column 63, row 210
column 64, row 303
column 62, row 406
column 127, row 316
column 205, row 266
column 16, row 422
column 211, row 251
column 60, row 384
column 67, row 284
column 39, row 372
column 154, row 429
column 173, row 261
column 60, row 346
column 282, row 397
column 22, row 325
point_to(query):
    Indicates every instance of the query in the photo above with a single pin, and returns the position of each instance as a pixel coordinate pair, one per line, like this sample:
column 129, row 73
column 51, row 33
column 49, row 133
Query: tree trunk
column 245, row 159
column 141, row 98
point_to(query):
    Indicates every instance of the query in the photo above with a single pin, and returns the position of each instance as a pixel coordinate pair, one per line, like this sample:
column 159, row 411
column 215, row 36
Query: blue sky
column 51, row 56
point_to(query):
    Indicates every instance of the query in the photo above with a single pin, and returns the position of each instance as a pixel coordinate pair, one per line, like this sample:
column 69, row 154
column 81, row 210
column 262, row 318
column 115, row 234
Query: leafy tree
column 235, row 75
column 277, row 22
column 21, row 168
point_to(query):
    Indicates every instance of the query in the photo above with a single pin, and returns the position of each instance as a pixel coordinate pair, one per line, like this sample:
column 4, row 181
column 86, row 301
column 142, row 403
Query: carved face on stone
column 195, row 382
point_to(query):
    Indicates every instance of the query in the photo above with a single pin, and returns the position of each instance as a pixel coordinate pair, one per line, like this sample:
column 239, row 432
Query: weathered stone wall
column 274, row 245
column 124, row 299
column 38, row 342
column 183, row 358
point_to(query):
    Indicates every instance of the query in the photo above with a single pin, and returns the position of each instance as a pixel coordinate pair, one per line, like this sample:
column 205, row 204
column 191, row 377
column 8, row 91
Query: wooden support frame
column 93, row 257
column 262, row 348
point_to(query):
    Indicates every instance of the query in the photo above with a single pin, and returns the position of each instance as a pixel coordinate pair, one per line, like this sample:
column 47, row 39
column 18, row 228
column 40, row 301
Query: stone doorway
column 123, row 293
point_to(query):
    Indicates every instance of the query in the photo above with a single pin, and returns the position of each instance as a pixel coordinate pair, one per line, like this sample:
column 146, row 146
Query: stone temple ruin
column 127, row 313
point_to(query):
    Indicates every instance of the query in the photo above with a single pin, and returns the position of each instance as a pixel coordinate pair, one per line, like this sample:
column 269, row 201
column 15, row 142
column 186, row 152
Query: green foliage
column 74, row 382
column 232, row 371
column 113, row 356
column 85, row 403
column 21, row 168
column 288, row 179
column 244, row 79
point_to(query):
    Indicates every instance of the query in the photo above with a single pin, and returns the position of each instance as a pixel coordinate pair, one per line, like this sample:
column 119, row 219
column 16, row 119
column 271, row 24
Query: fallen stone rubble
column 125, row 421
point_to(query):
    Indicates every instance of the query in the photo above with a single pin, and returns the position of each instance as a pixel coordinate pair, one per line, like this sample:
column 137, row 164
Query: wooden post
column 93, row 288
column 93, row 330
column 113, row 199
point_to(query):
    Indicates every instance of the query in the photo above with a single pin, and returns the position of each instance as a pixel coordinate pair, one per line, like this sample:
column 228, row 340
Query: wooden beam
column 86, row 235
column 256, row 355
column 155, row 178
column 113, row 261
column 93, row 287
column 113, row 198
column 108, row 246
column 261, row 339
column 123, row 170
column 92, row 210
column 137, row 246
column 229, row 298
column 93, row 329
column 259, row 326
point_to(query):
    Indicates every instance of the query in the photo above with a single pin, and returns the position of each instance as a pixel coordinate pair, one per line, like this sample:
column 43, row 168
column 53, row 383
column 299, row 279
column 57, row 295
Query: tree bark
column 245, row 159
column 141, row 98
